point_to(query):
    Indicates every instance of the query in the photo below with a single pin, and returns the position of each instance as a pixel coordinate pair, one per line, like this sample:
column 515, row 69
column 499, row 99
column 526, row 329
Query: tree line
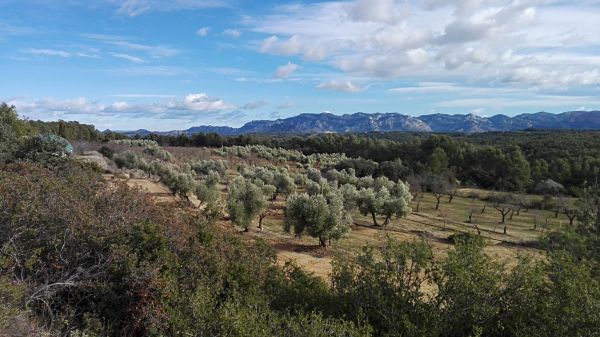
column 502, row 161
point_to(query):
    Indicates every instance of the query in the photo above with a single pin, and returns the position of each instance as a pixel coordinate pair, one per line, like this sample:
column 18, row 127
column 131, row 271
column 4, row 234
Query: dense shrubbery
column 475, row 296
column 100, row 259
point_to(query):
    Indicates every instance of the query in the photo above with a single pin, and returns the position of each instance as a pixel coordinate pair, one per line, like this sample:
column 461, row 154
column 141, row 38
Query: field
column 435, row 226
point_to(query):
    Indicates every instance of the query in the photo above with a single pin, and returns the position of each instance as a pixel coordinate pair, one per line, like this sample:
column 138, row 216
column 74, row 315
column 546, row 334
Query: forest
column 102, row 235
column 506, row 161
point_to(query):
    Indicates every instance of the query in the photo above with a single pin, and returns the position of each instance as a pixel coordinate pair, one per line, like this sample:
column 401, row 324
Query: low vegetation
column 83, row 253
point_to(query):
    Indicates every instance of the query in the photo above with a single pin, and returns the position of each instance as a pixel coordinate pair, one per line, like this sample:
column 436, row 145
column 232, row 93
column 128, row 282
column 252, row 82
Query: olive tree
column 208, row 192
column 181, row 182
column 384, row 202
column 350, row 194
column 246, row 201
column 505, row 205
column 318, row 216
column 438, row 186
column 284, row 183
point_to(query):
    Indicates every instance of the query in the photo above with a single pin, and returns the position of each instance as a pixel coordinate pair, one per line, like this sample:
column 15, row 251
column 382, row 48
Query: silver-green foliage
column 207, row 191
column 318, row 216
column 246, row 201
column 384, row 199
column 204, row 167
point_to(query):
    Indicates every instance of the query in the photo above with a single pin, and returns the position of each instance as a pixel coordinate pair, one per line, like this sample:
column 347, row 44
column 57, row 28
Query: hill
column 367, row 122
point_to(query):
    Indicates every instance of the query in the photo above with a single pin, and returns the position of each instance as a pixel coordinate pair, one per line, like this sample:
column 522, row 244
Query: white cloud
column 200, row 102
column 255, row 105
column 120, row 42
column 286, row 70
column 50, row 52
column 454, row 88
column 146, row 71
column 136, row 7
column 535, row 102
column 51, row 108
column 345, row 86
column 499, row 42
column 128, row 57
column 373, row 10
column 203, row 31
column 232, row 33
column 120, row 106
column 87, row 52
column 143, row 96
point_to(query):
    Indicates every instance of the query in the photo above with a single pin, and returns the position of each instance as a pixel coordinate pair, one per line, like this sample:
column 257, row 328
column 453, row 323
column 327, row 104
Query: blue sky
column 162, row 65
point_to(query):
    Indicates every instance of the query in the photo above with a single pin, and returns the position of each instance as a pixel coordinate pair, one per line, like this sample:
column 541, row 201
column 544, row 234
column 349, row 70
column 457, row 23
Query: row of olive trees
column 371, row 196
column 180, row 179
column 281, row 155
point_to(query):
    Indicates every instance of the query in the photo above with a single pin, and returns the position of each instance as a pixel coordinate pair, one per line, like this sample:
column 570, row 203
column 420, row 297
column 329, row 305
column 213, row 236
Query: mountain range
column 371, row 122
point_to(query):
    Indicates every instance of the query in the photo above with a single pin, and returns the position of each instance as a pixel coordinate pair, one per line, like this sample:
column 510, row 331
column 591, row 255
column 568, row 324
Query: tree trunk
column 386, row 221
column 322, row 242
column 504, row 230
column 418, row 205
column 437, row 205
column 512, row 213
column 260, row 220
column 504, row 212
column 483, row 209
column 374, row 219
column 571, row 217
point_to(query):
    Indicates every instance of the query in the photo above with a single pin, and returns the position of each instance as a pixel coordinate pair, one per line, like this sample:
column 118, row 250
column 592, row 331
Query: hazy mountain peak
column 326, row 122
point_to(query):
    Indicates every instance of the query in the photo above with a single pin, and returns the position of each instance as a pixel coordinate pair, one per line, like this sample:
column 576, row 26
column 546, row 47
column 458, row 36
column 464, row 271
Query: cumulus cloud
column 345, row 86
column 51, row 108
column 286, row 70
column 203, row 31
column 500, row 41
column 200, row 102
column 373, row 10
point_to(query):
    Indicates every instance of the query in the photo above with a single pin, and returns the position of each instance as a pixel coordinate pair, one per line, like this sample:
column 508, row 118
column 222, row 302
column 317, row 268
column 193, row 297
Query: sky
column 173, row 64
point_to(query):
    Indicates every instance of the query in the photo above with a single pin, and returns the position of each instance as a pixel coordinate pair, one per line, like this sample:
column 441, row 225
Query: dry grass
column 429, row 224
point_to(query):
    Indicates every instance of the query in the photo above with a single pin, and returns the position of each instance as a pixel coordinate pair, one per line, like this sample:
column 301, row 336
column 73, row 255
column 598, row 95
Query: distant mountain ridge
column 367, row 122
